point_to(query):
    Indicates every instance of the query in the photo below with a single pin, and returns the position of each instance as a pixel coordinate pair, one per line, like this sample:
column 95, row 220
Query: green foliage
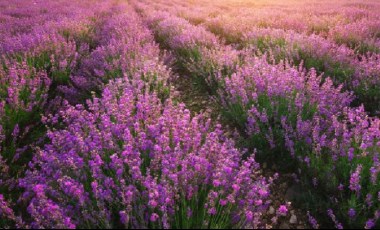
column 230, row 38
column 369, row 95
column 323, row 168
column 192, row 214
column 275, row 108
column 85, row 36
column 27, row 121
column 43, row 62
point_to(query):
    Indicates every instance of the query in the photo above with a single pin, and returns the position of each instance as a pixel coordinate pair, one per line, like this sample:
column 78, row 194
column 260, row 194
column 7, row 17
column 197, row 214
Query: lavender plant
column 335, row 146
column 23, row 96
column 127, row 49
column 134, row 162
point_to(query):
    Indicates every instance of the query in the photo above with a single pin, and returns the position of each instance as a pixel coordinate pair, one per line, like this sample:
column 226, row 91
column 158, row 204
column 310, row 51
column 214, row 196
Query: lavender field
column 206, row 114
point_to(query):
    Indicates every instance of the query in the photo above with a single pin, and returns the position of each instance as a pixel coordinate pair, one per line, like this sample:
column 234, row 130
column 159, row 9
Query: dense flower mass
column 147, row 162
column 94, row 135
column 24, row 95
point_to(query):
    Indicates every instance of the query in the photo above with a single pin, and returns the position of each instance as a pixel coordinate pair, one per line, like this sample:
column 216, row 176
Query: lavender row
column 358, row 72
column 63, row 65
column 354, row 24
column 42, row 60
column 281, row 107
column 131, row 161
column 336, row 146
column 29, row 76
column 126, row 49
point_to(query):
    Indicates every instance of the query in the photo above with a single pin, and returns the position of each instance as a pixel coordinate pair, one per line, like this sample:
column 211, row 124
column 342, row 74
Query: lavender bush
column 23, row 96
column 335, row 146
column 151, row 165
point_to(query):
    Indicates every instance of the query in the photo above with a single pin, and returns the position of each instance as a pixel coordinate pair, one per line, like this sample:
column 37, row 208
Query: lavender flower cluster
column 151, row 164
